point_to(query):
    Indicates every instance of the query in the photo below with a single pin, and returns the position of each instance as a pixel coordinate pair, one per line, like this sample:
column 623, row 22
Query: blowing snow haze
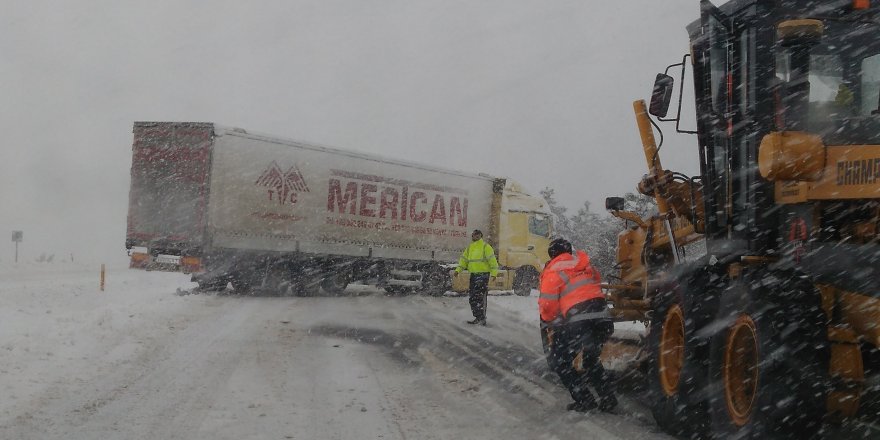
column 535, row 91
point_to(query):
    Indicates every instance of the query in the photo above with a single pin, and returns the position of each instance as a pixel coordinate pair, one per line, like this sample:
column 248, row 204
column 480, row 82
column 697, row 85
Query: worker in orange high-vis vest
column 575, row 322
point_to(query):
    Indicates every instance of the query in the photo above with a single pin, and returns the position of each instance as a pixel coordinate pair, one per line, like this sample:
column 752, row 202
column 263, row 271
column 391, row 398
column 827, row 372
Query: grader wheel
column 769, row 363
column 740, row 370
column 671, row 353
column 676, row 373
column 847, row 371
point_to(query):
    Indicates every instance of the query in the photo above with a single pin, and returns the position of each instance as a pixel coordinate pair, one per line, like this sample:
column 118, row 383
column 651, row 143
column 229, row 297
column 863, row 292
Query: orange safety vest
column 568, row 280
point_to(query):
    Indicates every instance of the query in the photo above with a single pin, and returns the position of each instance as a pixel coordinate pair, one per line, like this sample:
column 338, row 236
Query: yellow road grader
column 774, row 330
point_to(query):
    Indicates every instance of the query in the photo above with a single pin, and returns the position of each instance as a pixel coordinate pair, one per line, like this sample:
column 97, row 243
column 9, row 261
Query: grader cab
column 774, row 330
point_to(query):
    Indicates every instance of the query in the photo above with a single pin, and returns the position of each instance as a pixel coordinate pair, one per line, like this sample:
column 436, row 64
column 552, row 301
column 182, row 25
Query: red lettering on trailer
column 283, row 185
column 379, row 197
column 342, row 200
column 456, row 209
column 388, row 203
column 438, row 211
column 367, row 191
column 413, row 215
column 403, row 200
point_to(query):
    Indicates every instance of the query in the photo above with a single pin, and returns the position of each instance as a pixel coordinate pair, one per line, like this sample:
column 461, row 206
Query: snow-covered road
column 141, row 361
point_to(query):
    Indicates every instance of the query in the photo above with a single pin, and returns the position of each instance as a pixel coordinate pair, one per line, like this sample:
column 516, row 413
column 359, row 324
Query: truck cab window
column 539, row 225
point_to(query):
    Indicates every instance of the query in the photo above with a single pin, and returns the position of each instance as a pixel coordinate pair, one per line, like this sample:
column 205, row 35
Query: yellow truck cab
column 520, row 233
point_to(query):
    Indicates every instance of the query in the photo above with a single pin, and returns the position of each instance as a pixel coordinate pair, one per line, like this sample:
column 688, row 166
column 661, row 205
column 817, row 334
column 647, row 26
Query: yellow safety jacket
column 478, row 257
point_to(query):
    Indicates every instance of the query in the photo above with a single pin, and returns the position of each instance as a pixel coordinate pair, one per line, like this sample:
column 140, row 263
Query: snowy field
column 148, row 359
column 145, row 358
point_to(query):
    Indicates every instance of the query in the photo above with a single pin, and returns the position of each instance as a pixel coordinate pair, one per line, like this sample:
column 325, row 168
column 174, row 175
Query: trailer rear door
column 169, row 186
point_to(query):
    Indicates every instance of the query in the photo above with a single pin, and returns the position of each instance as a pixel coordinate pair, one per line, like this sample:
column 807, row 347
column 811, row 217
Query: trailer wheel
column 398, row 290
column 242, row 284
column 769, row 365
column 435, row 280
column 214, row 285
column 275, row 280
column 676, row 366
column 335, row 283
column 524, row 280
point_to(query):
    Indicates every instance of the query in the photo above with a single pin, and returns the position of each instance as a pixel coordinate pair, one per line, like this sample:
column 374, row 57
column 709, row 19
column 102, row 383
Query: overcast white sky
column 538, row 91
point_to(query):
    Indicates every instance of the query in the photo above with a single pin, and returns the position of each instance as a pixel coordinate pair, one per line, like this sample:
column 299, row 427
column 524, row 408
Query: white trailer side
column 280, row 195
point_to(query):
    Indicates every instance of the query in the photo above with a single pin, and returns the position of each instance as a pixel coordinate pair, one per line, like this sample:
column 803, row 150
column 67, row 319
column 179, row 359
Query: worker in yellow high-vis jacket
column 479, row 260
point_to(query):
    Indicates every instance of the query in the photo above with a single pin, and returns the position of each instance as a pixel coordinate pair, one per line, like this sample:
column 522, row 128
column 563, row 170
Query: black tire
column 436, row 280
column 524, row 280
column 677, row 368
column 335, row 283
column 297, row 288
column 274, row 282
column 398, row 290
column 243, row 284
column 215, row 285
column 769, row 365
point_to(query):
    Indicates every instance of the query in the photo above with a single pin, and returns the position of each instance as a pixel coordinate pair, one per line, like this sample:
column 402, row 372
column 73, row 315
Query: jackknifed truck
column 285, row 217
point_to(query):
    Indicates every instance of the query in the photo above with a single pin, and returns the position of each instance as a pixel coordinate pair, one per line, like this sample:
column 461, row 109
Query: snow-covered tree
column 596, row 232
column 641, row 204
column 561, row 222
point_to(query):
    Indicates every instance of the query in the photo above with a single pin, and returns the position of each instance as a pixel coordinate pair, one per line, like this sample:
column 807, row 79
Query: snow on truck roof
column 220, row 130
column 510, row 185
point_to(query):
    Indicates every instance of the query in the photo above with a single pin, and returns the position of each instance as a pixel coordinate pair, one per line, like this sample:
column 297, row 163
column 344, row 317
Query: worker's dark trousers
column 563, row 343
column 477, row 293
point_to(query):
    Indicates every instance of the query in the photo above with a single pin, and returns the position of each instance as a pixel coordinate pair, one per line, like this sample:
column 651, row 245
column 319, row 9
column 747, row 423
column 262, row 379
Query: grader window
column 870, row 77
column 842, row 73
column 826, row 82
column 718, row 54
column 745, row 90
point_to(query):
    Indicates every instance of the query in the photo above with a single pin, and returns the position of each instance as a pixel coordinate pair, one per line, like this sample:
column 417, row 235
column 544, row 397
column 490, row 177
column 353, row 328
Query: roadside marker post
column 16, row 238
column 102, row 277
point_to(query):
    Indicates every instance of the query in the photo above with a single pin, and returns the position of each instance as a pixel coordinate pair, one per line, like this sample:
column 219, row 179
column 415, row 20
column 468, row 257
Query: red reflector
column 861, row 4
column 139, row 260
column 191, row 264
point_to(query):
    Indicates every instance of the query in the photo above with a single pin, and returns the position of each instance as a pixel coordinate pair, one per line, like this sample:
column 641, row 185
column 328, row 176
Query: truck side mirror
column 614, row 203
column 661, row 95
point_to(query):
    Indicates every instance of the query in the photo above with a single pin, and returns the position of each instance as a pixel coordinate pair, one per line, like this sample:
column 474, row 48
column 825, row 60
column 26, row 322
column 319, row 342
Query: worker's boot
column 600, row 380
column 479, row 321
column 583, row 399
column 608, row 403
column 582, row 406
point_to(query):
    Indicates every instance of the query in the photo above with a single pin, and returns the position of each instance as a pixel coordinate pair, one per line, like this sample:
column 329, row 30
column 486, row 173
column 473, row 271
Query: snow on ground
column 80, row 363
column 47, row 324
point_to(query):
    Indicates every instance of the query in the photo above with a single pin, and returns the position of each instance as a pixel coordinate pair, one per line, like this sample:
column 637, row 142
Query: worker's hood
column 566, row 261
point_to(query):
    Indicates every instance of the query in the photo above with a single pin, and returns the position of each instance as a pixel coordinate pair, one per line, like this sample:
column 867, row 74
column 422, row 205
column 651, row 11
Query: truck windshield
column 844, row 77
column 539, row 225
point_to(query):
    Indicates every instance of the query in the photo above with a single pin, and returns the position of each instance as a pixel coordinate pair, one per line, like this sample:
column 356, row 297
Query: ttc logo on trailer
column 283, row 186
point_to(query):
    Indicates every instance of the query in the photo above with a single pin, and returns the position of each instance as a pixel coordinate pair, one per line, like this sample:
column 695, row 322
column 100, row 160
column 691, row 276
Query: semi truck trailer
column 277, row 215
